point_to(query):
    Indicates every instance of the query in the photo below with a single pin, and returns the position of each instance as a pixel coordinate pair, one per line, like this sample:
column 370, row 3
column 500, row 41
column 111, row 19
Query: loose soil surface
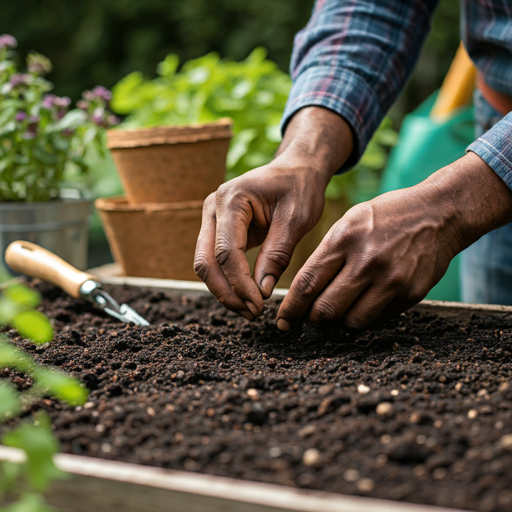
column 419, row 409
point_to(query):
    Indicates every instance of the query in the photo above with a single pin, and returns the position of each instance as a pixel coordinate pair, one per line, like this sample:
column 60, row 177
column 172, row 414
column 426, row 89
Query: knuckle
column 280, row 257
column 222, row 253
column 323, row 311
column 201, row 266
column 354, row 323
column 306, row 283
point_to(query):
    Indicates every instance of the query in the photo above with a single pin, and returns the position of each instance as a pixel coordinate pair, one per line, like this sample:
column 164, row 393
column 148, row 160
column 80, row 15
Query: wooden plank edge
column 230, row 491
column 107, row 274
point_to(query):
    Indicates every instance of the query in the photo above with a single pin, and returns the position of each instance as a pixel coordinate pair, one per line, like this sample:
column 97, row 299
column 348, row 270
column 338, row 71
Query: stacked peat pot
column 167, row 173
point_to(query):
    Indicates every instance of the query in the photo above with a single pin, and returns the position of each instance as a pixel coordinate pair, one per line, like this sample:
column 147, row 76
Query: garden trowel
column 32, row 260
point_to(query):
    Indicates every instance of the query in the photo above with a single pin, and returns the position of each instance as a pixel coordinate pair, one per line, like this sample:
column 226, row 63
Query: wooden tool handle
column 32, row 260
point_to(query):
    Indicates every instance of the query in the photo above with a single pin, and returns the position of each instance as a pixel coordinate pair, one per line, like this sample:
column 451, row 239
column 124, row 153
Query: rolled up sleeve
column 354, row 57
column 494, row 147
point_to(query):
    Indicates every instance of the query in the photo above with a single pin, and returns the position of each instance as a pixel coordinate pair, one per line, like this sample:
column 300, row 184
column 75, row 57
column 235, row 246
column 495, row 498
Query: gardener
column 349, row 65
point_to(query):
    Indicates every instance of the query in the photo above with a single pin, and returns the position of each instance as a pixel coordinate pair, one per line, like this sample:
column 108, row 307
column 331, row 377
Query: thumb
column 276, row 252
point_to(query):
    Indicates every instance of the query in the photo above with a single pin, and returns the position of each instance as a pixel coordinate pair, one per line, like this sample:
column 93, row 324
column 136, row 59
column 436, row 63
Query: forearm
column 317, row 140
column 474, row 199
column 354, row 58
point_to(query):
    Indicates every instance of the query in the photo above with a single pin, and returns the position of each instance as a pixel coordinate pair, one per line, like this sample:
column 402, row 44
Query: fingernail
column 283, row 325
column 252, row 308
column 247, row 315
column 267, row 284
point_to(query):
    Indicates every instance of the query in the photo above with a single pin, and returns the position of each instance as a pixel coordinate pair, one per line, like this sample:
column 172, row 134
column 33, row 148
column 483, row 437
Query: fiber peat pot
column 167, row 164
column 204, row 411
column 155, row 240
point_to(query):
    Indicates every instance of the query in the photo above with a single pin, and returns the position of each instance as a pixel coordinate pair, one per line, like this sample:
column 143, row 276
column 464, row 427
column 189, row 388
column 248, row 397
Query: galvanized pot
column 61, row 226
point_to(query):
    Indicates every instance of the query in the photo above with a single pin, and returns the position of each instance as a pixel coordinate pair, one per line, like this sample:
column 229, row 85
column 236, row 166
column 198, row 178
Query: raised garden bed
column 418, row 410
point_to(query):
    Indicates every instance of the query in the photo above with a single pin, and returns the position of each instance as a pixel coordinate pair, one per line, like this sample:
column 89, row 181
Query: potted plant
column 42, row 143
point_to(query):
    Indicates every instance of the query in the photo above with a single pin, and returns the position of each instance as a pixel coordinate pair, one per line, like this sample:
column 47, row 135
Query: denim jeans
column 486, row 266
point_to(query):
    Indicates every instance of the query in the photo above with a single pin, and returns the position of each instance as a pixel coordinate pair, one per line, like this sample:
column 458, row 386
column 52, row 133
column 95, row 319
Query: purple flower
column 8, row 41
column 98, row 117
column 101, row 92
column 113, row 120
column 20, row 116
column 82, row 105
column 63, row 102
column 33, row 119
column 88, row 95
column 48, row 101
column 19, row 79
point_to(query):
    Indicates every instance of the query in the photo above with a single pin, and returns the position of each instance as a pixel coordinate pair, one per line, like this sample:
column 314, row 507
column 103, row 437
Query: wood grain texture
column 32, row 260
column 104, row 486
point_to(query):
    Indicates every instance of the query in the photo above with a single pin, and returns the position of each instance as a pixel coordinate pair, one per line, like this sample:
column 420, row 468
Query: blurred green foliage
column 94, row 42
column 253, row 93
column 27, row 481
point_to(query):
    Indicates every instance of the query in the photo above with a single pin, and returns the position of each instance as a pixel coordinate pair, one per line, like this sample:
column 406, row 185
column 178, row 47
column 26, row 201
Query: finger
column 233, row 220
column 322, row 266
column 340, row 294
column 276, row 252
column 398, row 306
column 368, row 306
column 207, row 268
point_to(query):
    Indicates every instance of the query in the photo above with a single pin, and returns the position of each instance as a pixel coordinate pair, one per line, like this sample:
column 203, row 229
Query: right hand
column 274, row 205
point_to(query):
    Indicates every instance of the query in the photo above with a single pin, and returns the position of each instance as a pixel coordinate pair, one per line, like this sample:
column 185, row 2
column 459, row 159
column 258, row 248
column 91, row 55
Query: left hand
column 385, row 255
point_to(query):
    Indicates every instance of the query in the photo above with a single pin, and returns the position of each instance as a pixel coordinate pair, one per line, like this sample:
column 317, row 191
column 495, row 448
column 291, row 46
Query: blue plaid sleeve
column 354, row 57
column 494, row 147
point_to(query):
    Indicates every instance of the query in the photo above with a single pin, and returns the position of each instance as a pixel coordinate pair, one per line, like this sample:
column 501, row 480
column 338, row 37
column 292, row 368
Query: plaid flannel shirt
column 354, row 57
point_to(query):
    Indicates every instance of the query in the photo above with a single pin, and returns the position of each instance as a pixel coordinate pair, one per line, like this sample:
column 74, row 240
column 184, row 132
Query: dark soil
column 419, row 409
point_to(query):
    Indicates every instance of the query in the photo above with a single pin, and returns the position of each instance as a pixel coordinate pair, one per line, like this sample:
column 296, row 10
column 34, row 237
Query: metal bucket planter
column 60, row 226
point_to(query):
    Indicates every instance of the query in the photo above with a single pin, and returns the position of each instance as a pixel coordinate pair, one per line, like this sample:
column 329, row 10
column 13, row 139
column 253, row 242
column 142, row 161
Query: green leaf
column 60, row 385
column 169, row 65
column 9, row 401
column 29, row 502
column 71, row 121
column 8, row 310
column 239, row 146
column 40, row 445
column 13, row 357
column 33, row 325
column 23, row 295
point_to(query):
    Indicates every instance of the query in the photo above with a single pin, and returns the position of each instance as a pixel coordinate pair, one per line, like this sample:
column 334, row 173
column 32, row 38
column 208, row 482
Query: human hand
column 274, row 205
column 385, row 255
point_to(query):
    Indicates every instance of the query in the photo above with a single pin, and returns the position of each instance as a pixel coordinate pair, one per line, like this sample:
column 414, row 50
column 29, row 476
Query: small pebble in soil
column 275, row 452
column 351, row 475
column 472, row 414
column 384, row 408
column 394, row 392
column 506, row 441
column 311, row 457
column 366, row 485
column 253, row 393
column 363, row 389
column 106, row 448
column 439, row 473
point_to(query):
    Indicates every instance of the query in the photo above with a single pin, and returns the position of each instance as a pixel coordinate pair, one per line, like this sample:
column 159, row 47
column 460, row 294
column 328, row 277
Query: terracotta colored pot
column 171, row 163
column 152, row 240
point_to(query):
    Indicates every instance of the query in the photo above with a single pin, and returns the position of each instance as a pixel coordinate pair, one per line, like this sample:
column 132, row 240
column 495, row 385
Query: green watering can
column 433, row 136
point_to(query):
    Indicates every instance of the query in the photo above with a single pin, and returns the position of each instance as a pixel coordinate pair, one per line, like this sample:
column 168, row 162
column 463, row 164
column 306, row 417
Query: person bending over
column 383, row 256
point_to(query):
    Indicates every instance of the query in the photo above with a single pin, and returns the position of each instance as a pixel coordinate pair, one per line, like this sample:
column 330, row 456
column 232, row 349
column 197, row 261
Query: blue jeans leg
column 486, row 266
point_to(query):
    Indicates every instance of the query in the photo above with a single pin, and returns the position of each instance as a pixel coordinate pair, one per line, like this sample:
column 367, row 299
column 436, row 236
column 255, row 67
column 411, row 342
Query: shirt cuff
column 343, row 92
column 495, row 149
